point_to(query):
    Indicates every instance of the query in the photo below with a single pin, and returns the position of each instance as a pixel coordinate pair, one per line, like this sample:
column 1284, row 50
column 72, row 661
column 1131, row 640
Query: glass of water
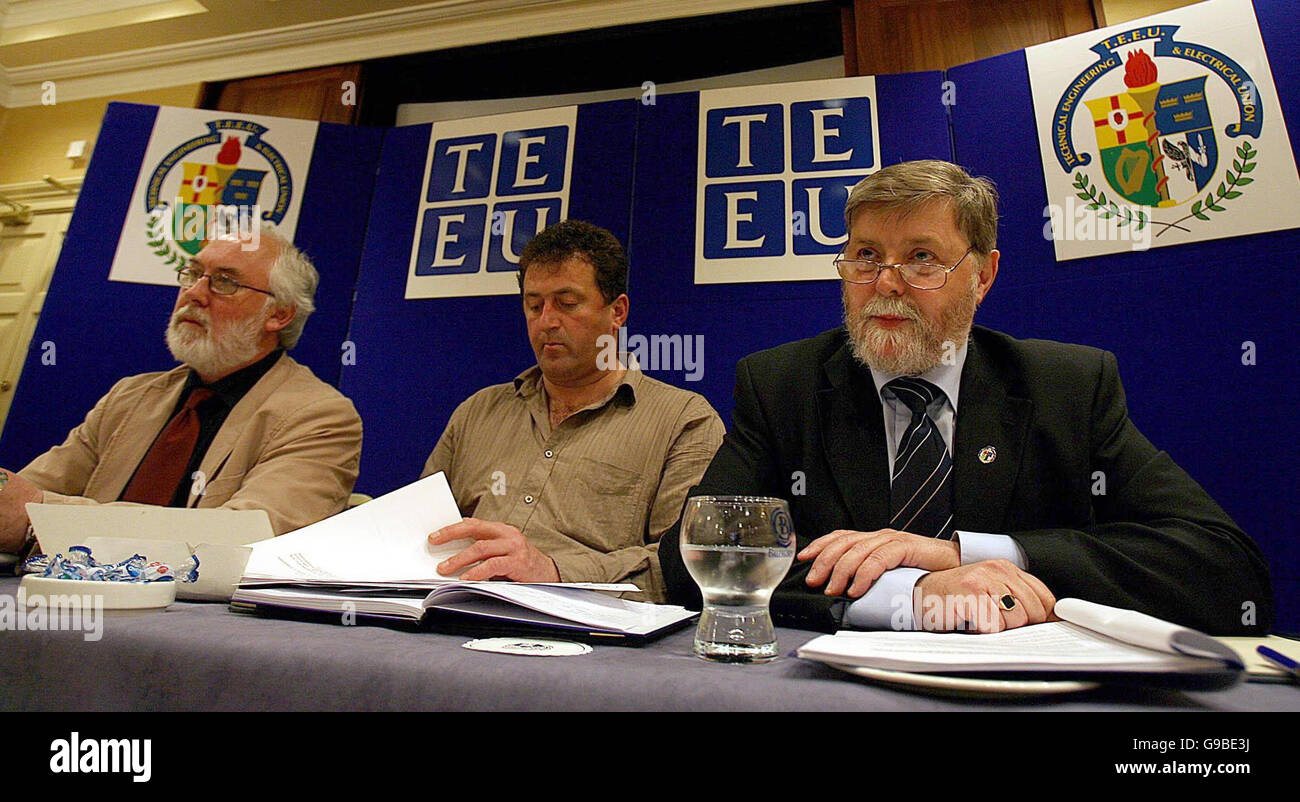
column 737, row 549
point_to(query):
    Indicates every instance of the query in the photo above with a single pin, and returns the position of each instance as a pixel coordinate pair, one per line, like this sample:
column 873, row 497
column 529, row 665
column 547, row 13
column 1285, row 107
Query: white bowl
column 104, row 595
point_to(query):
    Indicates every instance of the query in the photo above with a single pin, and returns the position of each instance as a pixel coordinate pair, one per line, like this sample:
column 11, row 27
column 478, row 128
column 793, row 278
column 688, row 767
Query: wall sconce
column 77, row 152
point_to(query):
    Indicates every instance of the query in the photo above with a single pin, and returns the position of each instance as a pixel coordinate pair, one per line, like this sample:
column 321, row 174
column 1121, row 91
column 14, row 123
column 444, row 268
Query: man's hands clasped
column 859, row 558
column 988, row 596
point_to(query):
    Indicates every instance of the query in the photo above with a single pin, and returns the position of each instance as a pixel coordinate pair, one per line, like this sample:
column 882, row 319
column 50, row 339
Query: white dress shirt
column 888, row 603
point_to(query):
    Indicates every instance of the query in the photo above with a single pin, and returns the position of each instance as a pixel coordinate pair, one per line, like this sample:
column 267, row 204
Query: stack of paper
column 1090, row 638
column 376, row 560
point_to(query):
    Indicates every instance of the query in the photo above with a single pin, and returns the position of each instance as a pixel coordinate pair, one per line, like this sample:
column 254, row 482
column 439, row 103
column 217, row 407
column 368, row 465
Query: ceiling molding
column 21, row 13
column 51, row 19
column 417, row 29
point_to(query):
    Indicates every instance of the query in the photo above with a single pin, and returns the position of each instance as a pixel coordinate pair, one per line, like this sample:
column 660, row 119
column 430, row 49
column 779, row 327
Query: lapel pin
column 988, row 454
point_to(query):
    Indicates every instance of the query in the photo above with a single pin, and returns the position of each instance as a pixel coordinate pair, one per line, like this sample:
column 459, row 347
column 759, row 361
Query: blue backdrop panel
column 103, row 330
column 418, row 359
column 1176, row 317
column 738, row 319
column 1276, row 528
column 95, row 326
column 331, row 228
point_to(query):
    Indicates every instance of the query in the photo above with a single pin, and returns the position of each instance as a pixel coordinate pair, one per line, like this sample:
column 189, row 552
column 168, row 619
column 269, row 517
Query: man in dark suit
column 946, row 476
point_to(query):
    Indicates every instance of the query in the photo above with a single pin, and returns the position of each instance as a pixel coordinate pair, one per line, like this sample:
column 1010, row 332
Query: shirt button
column 528, row 499
column 549, row 453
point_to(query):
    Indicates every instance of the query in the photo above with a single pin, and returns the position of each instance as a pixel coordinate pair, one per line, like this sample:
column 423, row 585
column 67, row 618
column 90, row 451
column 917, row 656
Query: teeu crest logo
column 776, row 166
column 491, row 184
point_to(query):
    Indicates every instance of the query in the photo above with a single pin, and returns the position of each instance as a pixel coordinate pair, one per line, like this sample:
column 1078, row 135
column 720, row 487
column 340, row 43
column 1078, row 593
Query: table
column 195, row 656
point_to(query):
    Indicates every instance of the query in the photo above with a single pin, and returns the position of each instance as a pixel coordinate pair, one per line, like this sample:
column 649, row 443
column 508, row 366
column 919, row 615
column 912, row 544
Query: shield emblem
column 215, row 196
column 1186, row 135
column 202, row 183
column 242, row 187
column 1124, row 139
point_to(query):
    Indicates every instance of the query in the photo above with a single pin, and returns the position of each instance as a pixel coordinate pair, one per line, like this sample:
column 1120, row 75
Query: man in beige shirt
column 572, row 471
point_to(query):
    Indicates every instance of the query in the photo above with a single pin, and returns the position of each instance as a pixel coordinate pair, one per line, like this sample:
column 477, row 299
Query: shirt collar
column 945, row 377
column 233, row 387
column 529, row 383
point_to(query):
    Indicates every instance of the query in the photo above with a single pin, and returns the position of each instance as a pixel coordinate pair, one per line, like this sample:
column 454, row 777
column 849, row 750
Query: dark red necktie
column 163, row 468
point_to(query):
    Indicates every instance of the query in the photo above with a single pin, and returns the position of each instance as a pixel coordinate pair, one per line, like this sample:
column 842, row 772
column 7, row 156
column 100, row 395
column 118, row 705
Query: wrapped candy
column 79, row 563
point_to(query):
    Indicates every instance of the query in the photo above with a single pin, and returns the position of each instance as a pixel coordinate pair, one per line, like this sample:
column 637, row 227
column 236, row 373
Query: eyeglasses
column 220, row 283
column 919, row 275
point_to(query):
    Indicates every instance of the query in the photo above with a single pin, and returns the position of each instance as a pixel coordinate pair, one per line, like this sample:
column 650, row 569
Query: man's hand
column 15, row 492
column 501, row 551
column 861, row 557
column 973, row 597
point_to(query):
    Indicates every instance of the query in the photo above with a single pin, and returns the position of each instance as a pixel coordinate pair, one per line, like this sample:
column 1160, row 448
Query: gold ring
column 1007, row 602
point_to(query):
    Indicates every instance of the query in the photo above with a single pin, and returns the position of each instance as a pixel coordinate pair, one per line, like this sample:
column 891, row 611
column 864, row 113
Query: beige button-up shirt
column 595, row 493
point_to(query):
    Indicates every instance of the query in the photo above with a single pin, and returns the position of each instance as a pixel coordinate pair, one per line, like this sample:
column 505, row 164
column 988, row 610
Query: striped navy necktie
column 921, row 484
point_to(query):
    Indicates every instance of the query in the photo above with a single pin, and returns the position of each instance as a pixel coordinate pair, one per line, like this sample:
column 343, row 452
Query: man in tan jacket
column 239, row 424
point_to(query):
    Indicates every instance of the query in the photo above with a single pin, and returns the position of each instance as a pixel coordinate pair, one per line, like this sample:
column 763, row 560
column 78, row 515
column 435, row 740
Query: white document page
column 1141, row 629
column 507, row 600
column 1039, row 647
column 1129, row 626
column 384, row 540
column 1256, row 663
column 582, row 606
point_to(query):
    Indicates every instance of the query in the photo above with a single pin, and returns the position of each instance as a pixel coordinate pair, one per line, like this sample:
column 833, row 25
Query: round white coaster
column 535, row 648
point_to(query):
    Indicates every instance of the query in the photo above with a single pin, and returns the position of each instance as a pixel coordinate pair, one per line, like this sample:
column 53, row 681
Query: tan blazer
column 291, row 446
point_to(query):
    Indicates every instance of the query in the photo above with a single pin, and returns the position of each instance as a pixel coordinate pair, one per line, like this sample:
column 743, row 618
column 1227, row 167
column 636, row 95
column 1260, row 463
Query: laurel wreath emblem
column 1228, row 189
column 163, row 246
column 1124, row 215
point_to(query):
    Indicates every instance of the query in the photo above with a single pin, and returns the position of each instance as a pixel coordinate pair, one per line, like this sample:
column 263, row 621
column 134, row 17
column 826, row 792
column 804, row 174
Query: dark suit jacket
column 1154, row 541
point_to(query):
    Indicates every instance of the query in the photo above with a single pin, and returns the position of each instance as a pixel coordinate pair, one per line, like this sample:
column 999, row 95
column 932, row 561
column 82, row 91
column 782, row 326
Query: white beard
column 213, row 353
column 904, row 352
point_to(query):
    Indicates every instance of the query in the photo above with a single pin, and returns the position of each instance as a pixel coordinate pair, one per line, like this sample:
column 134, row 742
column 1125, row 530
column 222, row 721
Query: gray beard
column 908, row 353
column 214, row 355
